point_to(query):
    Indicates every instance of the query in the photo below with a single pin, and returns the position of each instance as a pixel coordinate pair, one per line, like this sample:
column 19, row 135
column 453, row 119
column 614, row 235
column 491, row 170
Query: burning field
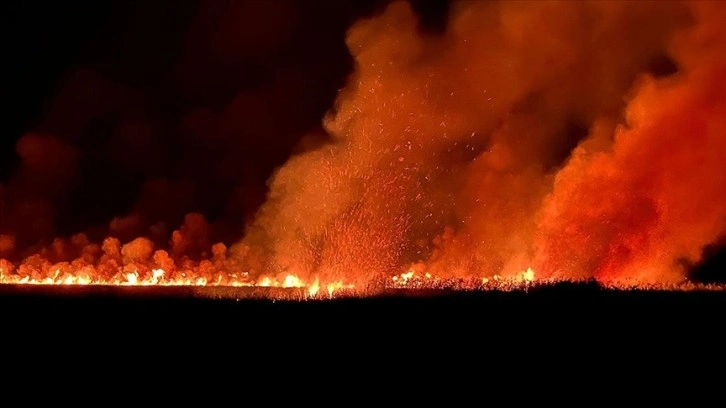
column 507, row 147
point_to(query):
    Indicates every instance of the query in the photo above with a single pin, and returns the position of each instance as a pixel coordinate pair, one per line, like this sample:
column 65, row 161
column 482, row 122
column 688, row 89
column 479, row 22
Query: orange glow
column 408, row 280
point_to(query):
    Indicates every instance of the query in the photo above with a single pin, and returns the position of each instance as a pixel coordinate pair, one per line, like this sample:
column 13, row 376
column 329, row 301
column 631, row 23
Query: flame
column 336, row 286
column 331, row 288
column 292, row 281
column 132, row 278
column 314, row 288
column 157, row 275
column 411, row 279
column 528, row 275
column 415, row 279
column 61, row 275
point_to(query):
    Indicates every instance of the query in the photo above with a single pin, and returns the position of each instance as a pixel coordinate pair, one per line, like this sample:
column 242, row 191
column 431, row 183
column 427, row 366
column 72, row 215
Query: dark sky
column 157, row 109
column 170, row 106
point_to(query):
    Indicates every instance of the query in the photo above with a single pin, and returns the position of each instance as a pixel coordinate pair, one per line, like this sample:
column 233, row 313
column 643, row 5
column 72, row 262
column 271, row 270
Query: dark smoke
column 137, row 114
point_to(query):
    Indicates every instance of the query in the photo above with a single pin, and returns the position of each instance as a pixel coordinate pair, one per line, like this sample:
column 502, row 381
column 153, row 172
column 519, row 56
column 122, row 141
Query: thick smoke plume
column 644, row 206
column 528, row 134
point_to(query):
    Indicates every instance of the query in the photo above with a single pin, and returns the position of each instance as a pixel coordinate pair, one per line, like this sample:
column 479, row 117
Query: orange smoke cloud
column 644, row 208
column 455, row 150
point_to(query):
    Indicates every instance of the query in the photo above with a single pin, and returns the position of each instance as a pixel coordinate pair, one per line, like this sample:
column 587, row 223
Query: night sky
column 128, row 83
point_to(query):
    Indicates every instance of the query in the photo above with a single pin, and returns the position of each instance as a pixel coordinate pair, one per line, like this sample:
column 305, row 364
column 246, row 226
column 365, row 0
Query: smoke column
column 579, row 138
column 643, row 206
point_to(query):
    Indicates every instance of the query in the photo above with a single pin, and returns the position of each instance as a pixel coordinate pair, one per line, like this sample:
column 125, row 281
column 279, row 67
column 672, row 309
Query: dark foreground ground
column 420, row 339
column 576, row 312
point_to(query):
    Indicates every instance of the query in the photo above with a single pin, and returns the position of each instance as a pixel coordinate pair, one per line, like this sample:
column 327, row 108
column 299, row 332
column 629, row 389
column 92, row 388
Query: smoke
column 567, row 136
column 166, row 109
column 581, row 139
column 643, row 208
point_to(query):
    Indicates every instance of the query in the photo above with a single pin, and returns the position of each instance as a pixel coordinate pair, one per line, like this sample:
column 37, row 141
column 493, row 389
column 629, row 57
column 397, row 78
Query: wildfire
column 458, row 149
column 528, row 275
column 159, row 277
column 314, row 288
column 415, row 279
column 412, row 279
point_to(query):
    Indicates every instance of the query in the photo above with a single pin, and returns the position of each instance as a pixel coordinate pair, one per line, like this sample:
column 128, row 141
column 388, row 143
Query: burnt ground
column 578, row 314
